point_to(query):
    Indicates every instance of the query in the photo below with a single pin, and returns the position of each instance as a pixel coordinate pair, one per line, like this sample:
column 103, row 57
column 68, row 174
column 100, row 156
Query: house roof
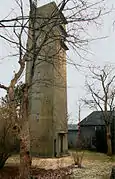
column 94, row 119
column 72, row 127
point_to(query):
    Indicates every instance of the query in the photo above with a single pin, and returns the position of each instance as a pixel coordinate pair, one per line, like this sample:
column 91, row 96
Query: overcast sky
column 103, row 51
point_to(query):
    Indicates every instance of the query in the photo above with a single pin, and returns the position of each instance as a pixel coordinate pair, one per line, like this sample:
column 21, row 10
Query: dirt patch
column 11, row 172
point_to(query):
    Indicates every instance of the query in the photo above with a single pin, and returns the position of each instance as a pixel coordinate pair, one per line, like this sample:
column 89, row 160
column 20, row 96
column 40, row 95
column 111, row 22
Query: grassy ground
column 96, row 165
column 89, row 155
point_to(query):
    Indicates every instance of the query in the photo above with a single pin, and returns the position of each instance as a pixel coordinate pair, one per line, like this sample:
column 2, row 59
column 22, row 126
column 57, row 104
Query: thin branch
column 3, row 87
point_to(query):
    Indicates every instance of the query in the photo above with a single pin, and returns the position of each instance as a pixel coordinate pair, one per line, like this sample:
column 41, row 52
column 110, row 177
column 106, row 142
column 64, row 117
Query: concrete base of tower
column 53, row 163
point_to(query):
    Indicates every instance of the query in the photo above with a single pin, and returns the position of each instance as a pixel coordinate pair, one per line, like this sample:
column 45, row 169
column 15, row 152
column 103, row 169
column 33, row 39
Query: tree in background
column 78, row 14
column 100, row 85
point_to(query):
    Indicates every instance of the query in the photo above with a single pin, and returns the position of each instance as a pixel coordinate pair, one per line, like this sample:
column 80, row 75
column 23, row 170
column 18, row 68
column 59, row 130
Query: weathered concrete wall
column 47, row 95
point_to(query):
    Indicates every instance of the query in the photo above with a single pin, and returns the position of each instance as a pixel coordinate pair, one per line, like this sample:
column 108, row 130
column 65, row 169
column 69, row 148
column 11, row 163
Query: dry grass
column 78, row 157
column 12, row 172
column 96, row 166
column 89, row 155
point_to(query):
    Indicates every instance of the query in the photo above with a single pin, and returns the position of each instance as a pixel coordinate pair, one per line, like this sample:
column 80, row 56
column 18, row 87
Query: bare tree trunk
column 108, row 136
column 22, row 131
column 25, row 158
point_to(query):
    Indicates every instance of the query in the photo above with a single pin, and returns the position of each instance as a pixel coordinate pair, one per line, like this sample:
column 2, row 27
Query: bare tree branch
column 103, row 96
column 3, row 87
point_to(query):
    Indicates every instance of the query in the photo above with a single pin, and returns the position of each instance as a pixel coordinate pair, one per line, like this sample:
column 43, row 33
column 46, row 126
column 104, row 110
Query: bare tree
column 101, row 90
column 77, row 16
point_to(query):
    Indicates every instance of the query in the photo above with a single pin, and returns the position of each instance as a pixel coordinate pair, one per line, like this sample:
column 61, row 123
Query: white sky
column 103, row 51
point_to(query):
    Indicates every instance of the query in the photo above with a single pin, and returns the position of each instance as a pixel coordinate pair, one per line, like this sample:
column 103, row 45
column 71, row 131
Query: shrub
column 8, row 140
column 78, row 158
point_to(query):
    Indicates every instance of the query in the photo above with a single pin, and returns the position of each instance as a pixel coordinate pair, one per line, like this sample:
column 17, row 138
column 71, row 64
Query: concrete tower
column 46, row 73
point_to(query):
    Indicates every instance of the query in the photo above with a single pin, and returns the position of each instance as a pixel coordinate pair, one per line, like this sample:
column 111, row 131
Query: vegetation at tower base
column 14, row 128
column 8, row 141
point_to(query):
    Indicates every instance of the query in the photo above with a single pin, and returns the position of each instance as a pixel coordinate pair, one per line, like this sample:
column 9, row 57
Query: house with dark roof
column 93, row 119
column 93, row 132
column 72, row 135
